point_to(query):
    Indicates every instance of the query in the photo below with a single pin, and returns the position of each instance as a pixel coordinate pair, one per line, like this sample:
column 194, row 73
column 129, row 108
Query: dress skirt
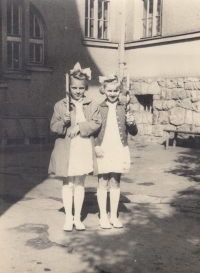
column 116, row 156
column 81, row 154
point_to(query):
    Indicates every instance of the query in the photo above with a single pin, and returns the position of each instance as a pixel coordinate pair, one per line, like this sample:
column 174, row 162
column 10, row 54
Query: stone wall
column 176, row 105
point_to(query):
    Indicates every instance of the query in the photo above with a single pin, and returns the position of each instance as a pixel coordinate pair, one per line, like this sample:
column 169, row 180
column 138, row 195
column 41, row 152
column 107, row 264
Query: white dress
column 116, row 156
column 81, row 155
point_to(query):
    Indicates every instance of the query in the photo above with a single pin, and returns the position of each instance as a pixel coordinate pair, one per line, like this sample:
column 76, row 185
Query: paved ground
column 159, row 206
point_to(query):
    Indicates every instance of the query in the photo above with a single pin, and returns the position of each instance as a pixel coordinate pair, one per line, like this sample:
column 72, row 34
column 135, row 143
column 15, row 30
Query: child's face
column 112, row 92
column 77, row 88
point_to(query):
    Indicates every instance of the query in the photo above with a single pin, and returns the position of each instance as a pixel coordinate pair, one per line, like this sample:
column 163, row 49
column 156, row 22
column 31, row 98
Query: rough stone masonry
column 176, row 105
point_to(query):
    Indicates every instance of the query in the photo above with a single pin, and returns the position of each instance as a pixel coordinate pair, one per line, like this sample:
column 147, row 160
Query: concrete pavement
column 159, row 207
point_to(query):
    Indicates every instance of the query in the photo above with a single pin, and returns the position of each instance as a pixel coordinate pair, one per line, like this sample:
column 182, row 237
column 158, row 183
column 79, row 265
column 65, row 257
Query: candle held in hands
column 127, row 82
column 67, row 94
column 127, row 93
column 67, row 83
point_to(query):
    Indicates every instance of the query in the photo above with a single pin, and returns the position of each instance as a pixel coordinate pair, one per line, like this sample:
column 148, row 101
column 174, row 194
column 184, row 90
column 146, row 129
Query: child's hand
column 130, row 118
column 72, row 132
column 99, row 152
column 67, row 118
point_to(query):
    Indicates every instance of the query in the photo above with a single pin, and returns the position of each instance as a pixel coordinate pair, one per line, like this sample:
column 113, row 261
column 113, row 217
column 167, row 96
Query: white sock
column 67, row 196
column 114, row 202
column 102, row 201
column 79, row 194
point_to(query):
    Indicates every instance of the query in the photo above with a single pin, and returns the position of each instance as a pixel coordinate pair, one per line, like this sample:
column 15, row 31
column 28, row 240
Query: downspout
column 122, row 41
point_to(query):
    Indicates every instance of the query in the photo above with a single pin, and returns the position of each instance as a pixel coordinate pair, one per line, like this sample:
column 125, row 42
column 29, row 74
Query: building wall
column 162, row 60
column 180, row 16
column 132, row 19
column 164, row 56
column 65, row 31
column 167, row 68
column 65, row 45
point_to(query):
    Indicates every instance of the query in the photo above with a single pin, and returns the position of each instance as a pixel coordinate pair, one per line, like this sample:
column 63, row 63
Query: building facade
column 156, row 41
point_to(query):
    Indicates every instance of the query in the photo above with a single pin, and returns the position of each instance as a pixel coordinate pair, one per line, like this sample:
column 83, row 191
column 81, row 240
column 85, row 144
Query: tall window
column 14, row 35
column 96, row 19
column 151, row 18
column 36, row 39
column 19, row 40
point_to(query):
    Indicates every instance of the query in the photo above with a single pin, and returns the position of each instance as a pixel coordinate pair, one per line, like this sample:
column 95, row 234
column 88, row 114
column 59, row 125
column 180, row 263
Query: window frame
column 95, row 18
column 25, row 65
column 154, row 16
column 33, row 40
column 14, row 38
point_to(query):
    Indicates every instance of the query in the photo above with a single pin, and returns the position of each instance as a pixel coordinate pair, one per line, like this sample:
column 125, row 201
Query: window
column 24, row 34
column 36, row 40
column 14, row 35
column 96, row 19
column 151, row 18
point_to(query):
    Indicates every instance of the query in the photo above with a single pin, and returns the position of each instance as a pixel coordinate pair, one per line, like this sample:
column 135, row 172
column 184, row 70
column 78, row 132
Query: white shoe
column 79, row 225
column 116, row 223
column 104, row 223
column 68, row 226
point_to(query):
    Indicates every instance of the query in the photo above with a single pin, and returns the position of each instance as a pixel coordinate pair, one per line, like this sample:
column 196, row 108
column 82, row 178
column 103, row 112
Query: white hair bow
column 86, row 71
column 110, row 78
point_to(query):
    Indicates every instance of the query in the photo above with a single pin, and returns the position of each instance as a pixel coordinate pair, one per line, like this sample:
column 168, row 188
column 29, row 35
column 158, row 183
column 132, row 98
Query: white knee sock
column 102, row 201
column 79, row 194
column 114, row 202
column 67, row 196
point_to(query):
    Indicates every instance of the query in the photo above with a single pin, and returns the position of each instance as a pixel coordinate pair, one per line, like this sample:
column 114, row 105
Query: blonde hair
column 79, row 76
column 103, row 86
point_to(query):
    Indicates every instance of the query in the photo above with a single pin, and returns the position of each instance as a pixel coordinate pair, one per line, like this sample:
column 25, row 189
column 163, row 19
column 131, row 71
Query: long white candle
column 67, row 83
column 67, row 93
column 128, row 81
column 127, row 93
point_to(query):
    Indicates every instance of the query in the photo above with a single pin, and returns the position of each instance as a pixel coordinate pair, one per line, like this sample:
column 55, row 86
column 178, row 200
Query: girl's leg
column 114, row 199
column 102, row 200
column 79, row 194
column 67, row 196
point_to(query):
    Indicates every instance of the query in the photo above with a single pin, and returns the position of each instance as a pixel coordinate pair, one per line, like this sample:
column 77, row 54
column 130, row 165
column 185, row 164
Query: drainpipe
column 122, row 40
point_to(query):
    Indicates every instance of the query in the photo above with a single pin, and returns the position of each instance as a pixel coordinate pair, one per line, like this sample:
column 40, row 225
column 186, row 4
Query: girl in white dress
column 73, row 155
column 111, row 147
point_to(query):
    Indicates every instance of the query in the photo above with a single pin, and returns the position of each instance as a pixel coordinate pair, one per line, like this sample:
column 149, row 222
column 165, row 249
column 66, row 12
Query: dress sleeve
column 57, row 125
column 92, row 126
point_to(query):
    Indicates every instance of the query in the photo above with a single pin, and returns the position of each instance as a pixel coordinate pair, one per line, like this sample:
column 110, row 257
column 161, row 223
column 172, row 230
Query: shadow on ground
column 21, row 169
column 187, row 164
column 160, row 235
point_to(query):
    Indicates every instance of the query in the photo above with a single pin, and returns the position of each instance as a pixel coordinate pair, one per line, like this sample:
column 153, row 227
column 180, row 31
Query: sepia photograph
column 100, row 136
